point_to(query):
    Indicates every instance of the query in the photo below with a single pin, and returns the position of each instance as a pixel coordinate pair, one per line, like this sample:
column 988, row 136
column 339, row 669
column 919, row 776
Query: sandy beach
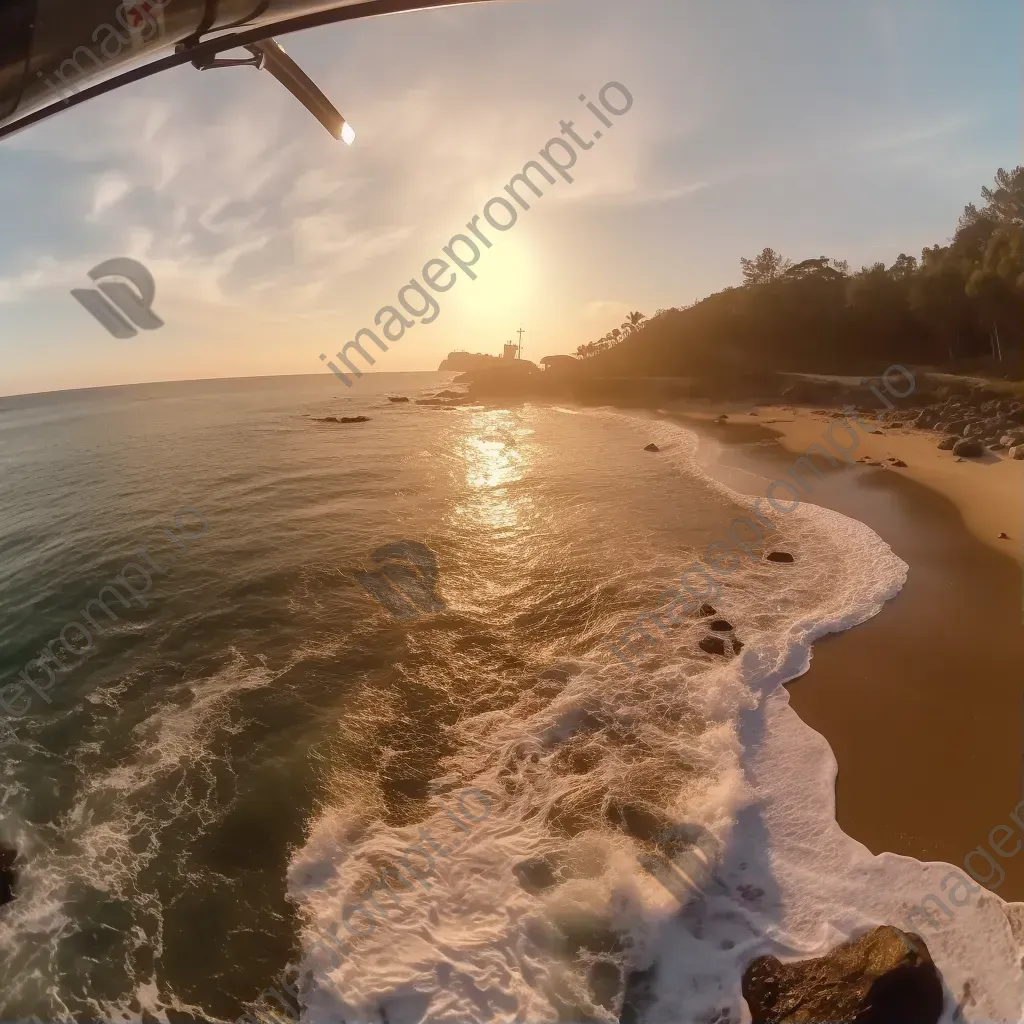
column 923, row 703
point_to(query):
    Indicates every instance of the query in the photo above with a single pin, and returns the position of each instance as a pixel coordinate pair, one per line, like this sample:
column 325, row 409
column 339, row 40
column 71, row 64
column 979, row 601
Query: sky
column 856, row 129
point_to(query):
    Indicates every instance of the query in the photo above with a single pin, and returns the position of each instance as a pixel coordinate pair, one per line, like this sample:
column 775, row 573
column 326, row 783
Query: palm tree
column 636, row 319
column 616, row 335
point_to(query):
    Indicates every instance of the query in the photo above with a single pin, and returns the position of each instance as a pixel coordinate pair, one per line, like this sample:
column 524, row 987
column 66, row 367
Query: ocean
column 267, row 769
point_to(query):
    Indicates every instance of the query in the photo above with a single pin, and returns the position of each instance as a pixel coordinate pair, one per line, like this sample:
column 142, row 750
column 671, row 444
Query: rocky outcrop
column 884, row 977
column 464, row 361
column 652, row 447
column 467, row 361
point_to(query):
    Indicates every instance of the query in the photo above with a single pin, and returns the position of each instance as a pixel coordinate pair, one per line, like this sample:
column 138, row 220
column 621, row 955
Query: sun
column 503, row 293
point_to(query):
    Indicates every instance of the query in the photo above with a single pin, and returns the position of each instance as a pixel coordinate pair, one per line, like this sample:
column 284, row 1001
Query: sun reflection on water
column 495, row 459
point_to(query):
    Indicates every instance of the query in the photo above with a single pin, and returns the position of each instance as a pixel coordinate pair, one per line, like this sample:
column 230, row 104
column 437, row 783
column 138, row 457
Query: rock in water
column 898, row 463
column 779, row 556
column 968, row 447
column 397, row 398
column 1003, row 536
column 1016, row 452
column 884, row 977
column 706, row 609
column 717, row 645
column 8, row 874
column 946, row 444
column 712, row 644
column 652, row 447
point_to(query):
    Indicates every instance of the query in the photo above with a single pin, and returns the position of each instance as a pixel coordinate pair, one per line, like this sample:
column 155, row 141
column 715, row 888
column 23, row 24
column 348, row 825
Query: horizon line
column 199, row 380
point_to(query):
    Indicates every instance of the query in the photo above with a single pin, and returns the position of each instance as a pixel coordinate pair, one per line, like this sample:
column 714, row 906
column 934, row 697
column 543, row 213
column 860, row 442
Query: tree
column 1004, row 204
column 996, row 284
column 764, row 268
column 821, row 267
column 904, row 267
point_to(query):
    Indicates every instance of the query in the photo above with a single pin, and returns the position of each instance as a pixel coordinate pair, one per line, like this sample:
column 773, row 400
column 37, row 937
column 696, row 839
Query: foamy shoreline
column 981, row 930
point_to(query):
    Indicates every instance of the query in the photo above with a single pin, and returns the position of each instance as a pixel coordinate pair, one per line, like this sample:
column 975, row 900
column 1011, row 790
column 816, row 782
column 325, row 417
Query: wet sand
column 923, row 704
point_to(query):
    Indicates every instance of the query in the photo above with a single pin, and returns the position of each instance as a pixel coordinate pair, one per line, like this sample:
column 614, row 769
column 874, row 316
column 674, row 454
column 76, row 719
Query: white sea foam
column 717, row 746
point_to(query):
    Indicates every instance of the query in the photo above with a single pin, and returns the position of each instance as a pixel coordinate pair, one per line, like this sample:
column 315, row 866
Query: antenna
column 520, row 332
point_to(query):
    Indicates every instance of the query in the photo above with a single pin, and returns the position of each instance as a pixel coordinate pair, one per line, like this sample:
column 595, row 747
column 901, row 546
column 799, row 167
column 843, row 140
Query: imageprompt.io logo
column 406, row 581
column 119, row 306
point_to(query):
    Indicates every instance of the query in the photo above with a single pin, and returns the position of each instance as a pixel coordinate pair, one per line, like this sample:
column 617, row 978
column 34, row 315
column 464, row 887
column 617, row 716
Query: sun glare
column 501, row 297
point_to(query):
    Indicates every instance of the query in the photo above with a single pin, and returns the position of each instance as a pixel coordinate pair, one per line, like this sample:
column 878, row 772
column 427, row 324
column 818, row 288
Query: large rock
column 1014, row 437
column 885, row 977
column 1017, row 452
column 968, row 447
column 946, row 444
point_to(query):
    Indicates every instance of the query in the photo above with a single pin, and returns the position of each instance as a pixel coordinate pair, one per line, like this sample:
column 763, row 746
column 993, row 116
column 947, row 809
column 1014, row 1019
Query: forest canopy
column 956, row 304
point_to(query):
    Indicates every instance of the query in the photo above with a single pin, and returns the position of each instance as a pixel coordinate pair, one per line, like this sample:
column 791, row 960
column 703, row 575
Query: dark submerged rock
column 605, row 982
column 652, row 447
column 706, row 609
column 537, row 874
column 639, row 996
column 342, row 419
column 641, row 821
column 898, row 463
column 712, row 644
column 884, row 977
column 719, row 645
column 779, row 556
column 8, row 873
column 397, row 398
column 720, row 626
